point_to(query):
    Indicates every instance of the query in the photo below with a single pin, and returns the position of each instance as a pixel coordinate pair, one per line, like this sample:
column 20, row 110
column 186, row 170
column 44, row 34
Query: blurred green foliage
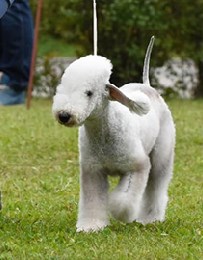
column 125, row 28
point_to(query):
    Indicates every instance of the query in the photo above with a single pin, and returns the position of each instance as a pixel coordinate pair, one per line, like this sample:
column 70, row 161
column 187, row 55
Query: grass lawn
column 40, row 187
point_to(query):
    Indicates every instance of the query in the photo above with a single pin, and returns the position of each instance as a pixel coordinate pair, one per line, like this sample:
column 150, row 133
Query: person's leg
column 16, row 38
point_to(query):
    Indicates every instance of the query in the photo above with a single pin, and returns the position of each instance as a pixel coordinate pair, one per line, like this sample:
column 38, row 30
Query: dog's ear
column 140, row 107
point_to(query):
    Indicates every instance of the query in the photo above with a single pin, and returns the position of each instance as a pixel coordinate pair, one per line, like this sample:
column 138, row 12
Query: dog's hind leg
column 124, row 201
column 155, row 197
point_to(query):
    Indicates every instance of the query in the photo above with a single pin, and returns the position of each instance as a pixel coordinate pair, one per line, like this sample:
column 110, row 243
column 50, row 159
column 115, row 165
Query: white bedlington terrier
column 126, row 132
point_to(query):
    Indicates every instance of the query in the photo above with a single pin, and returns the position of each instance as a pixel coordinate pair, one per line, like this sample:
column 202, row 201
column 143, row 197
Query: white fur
column 115, row 141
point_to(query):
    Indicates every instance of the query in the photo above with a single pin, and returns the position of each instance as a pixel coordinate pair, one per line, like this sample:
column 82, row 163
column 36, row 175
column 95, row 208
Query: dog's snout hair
column 126, row 132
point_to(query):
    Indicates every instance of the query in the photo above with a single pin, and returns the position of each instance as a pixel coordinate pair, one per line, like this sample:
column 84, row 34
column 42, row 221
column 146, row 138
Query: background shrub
column 125, row 28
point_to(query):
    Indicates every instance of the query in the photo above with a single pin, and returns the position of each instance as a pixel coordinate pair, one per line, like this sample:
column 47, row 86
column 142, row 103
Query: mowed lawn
column 40, row 189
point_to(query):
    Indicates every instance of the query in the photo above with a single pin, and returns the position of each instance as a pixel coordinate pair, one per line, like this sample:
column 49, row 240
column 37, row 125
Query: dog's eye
column 89, row 93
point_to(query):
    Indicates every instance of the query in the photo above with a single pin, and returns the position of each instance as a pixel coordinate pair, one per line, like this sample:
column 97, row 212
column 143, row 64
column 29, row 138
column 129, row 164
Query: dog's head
column 84, row 91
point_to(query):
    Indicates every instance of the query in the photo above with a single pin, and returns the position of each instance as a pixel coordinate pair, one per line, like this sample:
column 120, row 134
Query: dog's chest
column 114, row 153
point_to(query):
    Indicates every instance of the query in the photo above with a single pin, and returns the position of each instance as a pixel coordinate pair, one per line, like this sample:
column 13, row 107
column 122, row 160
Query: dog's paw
column 122, row 207
column 150, row 217
column 91, row 225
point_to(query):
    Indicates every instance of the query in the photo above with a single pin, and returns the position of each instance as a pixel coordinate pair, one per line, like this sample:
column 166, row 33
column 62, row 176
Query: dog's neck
column 99, row 120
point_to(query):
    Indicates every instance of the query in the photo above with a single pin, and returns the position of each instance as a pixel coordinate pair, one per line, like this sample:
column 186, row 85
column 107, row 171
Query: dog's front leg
column 93, row 200
column 124, row 201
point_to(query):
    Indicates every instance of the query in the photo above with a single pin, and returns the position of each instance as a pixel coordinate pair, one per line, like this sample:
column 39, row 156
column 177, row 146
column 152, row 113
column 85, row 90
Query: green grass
column 40, row 187
column 52, row 47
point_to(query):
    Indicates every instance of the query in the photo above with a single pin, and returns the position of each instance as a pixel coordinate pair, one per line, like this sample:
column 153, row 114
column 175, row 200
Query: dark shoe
column 9, row 96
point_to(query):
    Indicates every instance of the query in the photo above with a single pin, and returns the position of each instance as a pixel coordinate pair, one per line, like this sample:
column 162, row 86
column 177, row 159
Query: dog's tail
column 145, row 76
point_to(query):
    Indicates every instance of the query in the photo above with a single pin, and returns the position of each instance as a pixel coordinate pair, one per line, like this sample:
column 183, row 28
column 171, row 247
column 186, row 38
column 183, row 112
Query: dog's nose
column 64, row 117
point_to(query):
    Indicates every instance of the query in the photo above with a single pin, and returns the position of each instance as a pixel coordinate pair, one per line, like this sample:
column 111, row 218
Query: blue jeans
column 16, row 39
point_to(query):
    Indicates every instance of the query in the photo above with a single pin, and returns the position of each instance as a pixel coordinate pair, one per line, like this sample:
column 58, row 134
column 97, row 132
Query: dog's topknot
column 88, row 69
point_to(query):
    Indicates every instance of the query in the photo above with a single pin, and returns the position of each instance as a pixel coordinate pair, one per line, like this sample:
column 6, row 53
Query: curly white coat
column 127, row 132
